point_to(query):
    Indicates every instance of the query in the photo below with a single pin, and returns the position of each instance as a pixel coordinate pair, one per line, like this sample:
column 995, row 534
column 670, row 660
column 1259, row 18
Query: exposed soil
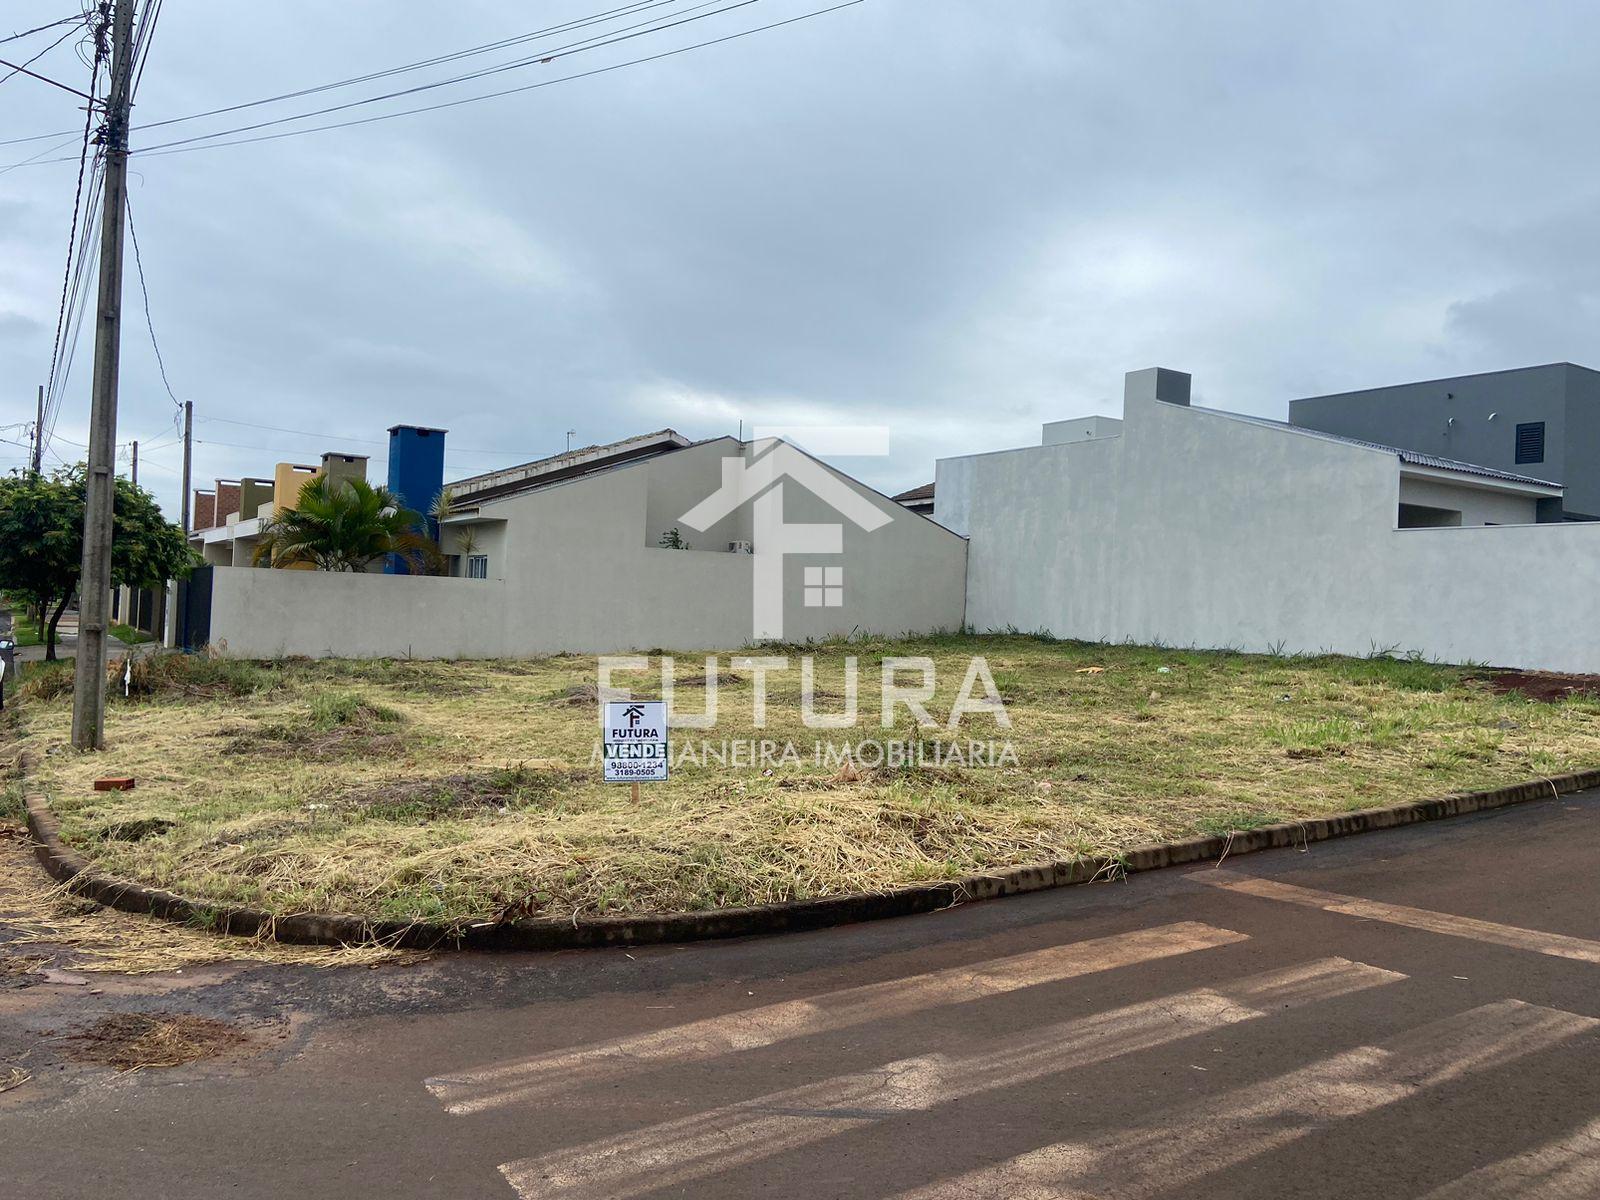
column 1544, row 685
column 413, row 800
column 141, row 1041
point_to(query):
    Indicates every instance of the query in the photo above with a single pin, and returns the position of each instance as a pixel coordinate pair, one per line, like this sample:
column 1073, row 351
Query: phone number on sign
column 636, row 770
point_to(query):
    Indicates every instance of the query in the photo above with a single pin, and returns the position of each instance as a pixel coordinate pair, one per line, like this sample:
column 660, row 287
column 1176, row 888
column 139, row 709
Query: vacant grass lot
column 457, row 790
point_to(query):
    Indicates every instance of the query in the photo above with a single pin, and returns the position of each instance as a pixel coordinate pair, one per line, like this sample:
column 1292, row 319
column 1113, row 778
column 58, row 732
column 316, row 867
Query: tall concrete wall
column 1196, row 529
column 1474, row 418
column 574, row 567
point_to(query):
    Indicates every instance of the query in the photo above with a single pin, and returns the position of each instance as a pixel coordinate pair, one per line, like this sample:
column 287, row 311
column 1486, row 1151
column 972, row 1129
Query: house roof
column 560, row 468
column 1413, row 458
column 925, row 492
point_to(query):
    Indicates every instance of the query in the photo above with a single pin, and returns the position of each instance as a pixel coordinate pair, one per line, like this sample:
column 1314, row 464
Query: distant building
column 1539, row 421
column 918, row 499
column 1190, row 526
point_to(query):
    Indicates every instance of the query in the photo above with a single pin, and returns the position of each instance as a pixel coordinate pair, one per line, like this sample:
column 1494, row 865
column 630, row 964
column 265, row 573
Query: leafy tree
column 41, row 541
column 344, row 525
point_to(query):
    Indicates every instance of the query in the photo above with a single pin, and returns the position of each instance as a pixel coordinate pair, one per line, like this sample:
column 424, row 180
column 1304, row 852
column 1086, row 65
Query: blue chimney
column 416, row 476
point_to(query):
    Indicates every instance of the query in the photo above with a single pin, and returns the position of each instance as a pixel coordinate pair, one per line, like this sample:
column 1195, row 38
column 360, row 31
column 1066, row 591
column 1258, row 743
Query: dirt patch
column 142, row 1041
column 413, row 801
column 1547, row 686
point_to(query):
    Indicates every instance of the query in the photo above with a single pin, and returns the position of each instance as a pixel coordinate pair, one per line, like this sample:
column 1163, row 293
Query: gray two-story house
column 1542, row 422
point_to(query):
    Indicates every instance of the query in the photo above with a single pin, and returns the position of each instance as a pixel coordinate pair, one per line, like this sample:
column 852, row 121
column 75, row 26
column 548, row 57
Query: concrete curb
column 72, row 869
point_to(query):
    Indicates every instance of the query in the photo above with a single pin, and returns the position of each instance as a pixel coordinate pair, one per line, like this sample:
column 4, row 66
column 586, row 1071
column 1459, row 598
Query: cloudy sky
column 952, row 217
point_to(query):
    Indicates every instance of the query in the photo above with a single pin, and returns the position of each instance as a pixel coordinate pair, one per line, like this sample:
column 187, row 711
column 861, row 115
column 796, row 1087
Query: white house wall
column 1477, row 506
column 575, row 567
column 1195, row 529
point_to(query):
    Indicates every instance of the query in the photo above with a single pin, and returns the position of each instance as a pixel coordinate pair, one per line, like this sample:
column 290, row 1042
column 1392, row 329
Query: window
column 1530, row 442
column 824, row 587
column 477, row 566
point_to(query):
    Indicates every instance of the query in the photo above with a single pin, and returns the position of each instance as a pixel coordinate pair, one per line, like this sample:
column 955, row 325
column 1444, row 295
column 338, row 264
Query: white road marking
column 1565, row 1169
column 676, row 1153
column 1194, row 1140
column 1556, row 944
column 557, row 1071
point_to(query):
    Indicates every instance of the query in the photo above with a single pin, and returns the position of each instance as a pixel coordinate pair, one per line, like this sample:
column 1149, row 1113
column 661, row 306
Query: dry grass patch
column 457, row 791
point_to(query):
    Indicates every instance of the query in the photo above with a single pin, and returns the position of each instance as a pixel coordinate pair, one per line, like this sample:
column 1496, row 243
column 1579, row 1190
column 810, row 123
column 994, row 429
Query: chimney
column 1156, row 383
column 205, row 510
column 227, row 501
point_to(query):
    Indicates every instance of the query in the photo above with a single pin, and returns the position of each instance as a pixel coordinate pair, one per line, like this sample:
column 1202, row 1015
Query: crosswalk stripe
column 1556, row 944
column 677, row 1152
column 557, row 1071
column 1195, row 1140
column 1564, row 1169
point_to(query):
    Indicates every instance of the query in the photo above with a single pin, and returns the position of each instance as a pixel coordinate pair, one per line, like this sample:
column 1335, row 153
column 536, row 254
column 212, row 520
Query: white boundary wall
column 573, row 568
column 1194, row 528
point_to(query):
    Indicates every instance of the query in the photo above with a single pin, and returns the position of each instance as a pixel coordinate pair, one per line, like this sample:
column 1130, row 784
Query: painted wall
column 1474, row 418
column 574, row 567
column 1196, row 529
column 1477, row 506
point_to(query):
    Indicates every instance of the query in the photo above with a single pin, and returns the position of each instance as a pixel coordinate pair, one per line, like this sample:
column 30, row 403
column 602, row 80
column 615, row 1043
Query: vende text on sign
column 635, row 741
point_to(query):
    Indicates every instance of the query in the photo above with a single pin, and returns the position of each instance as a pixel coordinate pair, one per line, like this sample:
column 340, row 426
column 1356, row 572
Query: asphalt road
column 1406, row 1014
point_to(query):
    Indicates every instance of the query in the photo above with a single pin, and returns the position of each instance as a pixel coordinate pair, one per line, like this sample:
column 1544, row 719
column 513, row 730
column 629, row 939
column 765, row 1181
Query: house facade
column 1542, row 421
column 612, row 549
column 1195, row 527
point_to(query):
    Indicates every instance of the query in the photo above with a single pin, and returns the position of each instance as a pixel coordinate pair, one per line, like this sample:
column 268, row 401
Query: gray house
column 1536, row 421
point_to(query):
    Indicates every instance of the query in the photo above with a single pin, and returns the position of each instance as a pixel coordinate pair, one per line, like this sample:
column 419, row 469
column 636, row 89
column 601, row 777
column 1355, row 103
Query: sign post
column 634, row 742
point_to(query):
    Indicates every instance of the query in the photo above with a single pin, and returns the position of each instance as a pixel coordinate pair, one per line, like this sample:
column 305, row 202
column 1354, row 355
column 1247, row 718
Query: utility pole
column 136, row 464
column 188, row 451
column 38, row 433
column 94, row 588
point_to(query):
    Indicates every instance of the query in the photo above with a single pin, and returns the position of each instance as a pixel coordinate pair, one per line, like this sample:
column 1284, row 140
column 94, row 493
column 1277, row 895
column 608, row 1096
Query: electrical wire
column 551, row 56
column 72, row 234
column 528, row 87
column 144, row 291
column 23, row 69
column 76, row 19
column 564, row 27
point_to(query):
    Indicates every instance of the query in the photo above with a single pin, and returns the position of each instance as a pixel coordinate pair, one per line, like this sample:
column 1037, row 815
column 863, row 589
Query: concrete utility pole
column 188, row 451
column 38, row 433
column 94, row 587
column 136, row 464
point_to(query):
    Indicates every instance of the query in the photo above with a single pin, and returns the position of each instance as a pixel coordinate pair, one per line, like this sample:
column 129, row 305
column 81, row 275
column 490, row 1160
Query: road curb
column 77, row 873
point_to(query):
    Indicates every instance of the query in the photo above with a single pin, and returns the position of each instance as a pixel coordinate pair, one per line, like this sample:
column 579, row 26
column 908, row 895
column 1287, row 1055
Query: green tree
column 41, row 542
column 344, row 525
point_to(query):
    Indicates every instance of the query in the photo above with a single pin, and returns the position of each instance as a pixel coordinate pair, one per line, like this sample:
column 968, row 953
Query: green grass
column 467, row 790
column 24, row 631
column 129, row 636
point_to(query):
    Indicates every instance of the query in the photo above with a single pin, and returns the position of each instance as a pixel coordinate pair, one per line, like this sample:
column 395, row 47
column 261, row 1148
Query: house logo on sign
column 760, row 483
column 635, row 741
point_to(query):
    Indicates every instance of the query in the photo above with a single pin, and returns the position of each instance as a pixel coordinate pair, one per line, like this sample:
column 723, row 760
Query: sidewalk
column 67, row 641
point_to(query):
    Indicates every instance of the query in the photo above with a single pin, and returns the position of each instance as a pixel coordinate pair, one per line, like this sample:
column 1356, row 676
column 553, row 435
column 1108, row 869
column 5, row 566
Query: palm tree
column 343, row 525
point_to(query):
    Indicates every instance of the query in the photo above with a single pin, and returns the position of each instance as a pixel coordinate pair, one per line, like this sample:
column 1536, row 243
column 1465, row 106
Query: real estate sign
column 635, row 741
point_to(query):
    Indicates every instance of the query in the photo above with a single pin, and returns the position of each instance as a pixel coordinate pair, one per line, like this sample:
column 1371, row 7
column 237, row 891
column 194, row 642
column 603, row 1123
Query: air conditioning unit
column 741, row 548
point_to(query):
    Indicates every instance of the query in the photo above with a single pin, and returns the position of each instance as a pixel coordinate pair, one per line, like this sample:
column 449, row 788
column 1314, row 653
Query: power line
column 141, row 43
column 327, row 437
column 76, row 19
column 23, row 69
column 555, row 53
column 564, row 27
column 406, row 112
column 138, row 262
column 72, row 234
